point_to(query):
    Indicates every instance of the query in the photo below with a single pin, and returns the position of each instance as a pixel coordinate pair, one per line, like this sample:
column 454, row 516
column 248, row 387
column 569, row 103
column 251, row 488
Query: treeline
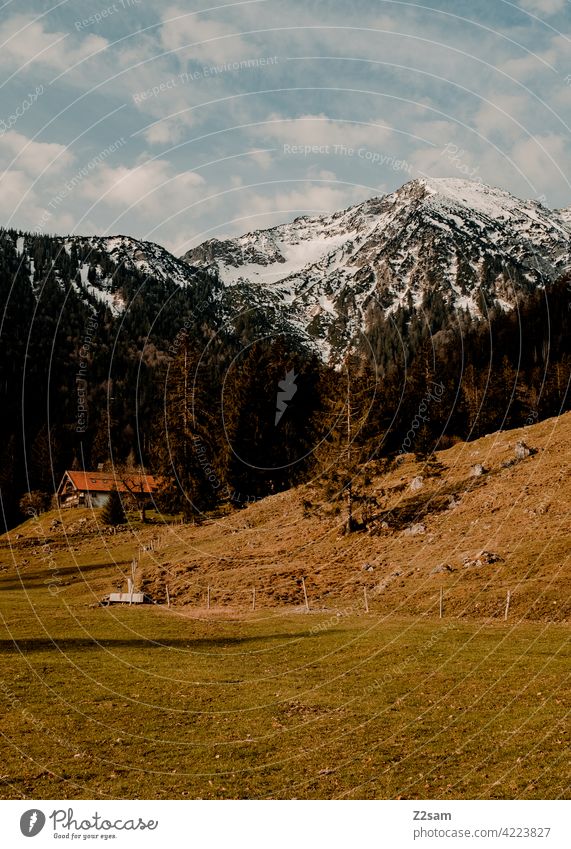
column 228, row 410
column 502, row 371
column 419, row 380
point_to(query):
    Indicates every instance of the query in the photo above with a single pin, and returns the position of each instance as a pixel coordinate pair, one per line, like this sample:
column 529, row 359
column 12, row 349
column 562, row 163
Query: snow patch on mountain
column 101, row 293
column 147, row 258
column 566, row 216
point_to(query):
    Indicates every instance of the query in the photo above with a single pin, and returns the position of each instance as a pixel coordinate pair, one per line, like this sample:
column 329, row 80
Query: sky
column 179, row 122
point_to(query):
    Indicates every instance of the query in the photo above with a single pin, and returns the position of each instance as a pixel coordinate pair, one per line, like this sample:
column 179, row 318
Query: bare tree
column 134, row 478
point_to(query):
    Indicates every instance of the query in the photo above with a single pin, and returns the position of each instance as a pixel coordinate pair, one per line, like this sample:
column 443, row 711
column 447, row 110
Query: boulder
column 375, row 528
column 442, row 568
column 483, row 558
column 522, row 450
column 416, row 484
column 477, row 471
column 415, row 530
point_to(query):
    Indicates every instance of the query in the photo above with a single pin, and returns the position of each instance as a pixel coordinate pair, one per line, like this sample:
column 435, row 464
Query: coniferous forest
column 185, row 383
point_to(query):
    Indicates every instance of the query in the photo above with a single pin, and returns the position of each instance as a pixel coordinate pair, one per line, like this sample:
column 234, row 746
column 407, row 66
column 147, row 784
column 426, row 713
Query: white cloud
column 549, row 61
column 262, row 160
column 152, row 187
column 22, row 163
column 306, row 198
column 543, row 7
column 25, row 207
column 165, row 132
column 26, row 42
column 524, row 68
column 211, row 40
column 321, row 131
column 14, row 185
column 542, row 159
column 502, row 118
column 17, row 151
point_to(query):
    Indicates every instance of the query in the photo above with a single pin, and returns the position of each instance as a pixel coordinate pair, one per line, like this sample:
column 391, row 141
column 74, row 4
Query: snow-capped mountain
column 320, row 276
column 100, row 264
column 112, row 272
column 458, row 236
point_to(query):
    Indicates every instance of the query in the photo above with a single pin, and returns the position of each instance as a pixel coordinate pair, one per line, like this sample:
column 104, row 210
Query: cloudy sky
column 179, row 122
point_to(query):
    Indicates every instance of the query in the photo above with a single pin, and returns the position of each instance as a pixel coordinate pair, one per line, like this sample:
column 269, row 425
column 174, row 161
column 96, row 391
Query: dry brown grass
column 519, row 513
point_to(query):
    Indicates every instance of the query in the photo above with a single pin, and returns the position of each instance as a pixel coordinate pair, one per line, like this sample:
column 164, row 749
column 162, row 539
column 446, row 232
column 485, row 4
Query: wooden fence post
column 208, row 598
column 305, row 595
column 366, row 600
column 253, row 598
column 508, row 599
column 441, row 601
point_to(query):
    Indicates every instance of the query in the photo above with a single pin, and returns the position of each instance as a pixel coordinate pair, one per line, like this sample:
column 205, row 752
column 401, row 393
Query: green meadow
column 155, row 703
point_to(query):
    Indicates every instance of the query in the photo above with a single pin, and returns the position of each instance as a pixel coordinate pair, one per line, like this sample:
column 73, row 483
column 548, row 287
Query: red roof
column 106, row 481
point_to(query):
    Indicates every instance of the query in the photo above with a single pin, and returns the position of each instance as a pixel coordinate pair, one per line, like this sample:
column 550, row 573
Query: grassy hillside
column 421, row 541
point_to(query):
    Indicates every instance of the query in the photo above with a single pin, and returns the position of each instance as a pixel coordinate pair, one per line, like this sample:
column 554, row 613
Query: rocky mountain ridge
column 321, row 276
column 458, row 236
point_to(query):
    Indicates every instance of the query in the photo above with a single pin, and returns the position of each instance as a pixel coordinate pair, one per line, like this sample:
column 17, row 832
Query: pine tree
column 272, row 407
column 113, row 512
column 341, row 461
column 188, row 455
column 46, row 454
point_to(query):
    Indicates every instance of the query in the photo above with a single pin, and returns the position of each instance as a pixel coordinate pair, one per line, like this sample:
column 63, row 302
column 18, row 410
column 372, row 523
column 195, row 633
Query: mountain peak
column 473, row 195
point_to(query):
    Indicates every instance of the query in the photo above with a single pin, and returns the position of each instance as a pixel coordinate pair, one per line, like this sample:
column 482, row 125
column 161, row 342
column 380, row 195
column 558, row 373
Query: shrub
column 32, row 503
column 113, row 512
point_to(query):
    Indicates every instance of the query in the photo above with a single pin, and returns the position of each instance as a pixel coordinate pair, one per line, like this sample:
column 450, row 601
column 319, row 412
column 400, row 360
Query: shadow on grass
column 33, row 580
column 32, row 645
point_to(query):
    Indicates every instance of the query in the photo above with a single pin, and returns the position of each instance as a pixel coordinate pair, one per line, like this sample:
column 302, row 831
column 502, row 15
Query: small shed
column 126, row 598
column 91, row 489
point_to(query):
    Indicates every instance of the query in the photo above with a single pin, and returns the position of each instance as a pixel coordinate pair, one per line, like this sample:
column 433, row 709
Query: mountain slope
column 108, row 272
column 453, row 235
column 517, row 512
column 476, row 537
column 98, row 265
